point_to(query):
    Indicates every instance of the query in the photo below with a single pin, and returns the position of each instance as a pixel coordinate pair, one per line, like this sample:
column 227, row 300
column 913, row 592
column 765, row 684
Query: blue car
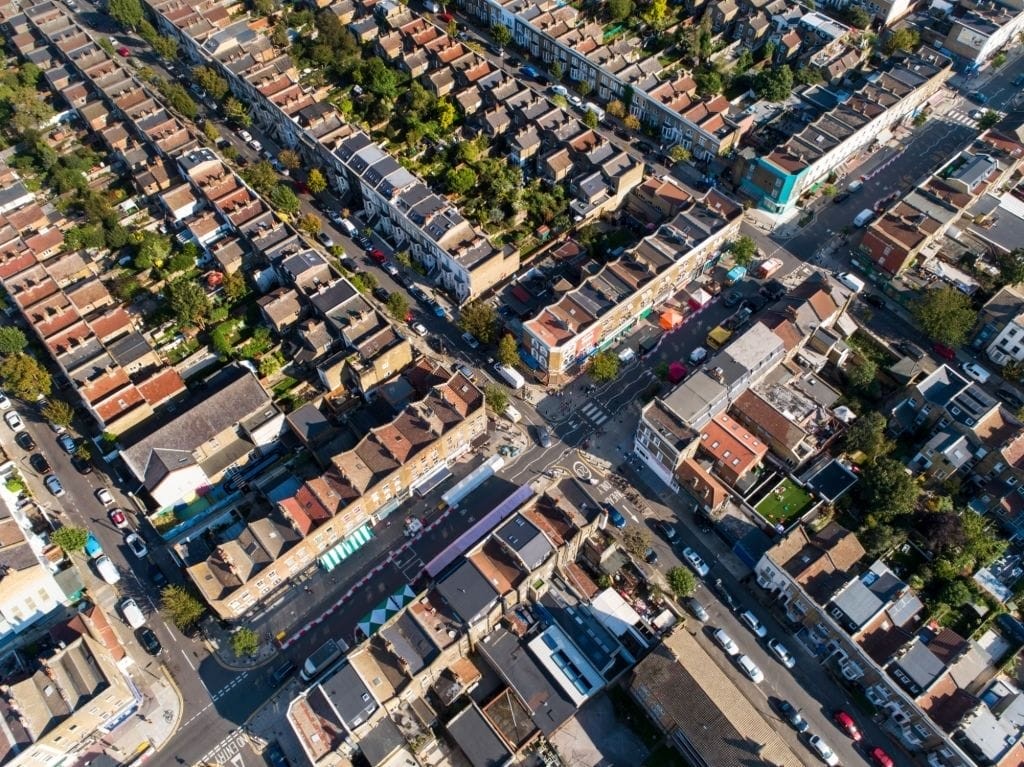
column 530, row 71
column 437, row 309
column 615, row 516
column 67, row 442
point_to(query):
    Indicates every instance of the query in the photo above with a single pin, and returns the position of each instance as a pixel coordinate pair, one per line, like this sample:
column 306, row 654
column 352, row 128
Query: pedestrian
column 307, row 589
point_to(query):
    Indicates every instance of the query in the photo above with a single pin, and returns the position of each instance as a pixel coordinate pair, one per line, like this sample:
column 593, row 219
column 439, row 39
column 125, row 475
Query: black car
column 281, row 672
column 756, row 303
column 873, row 299
column 1010, row 396
column 841, row 197
column 148, row 640
column 622, row 133
column 363, row 242
column 650, row 556
column 82, row 465
column 349, row 264
column 275, row 756
column 380, row 294
column 156, row 576
column 665, row 530
column 773, row 290
column 732, row 299
column 25, row 441
column 911, row 350
column 644, row 147
column 38, row 462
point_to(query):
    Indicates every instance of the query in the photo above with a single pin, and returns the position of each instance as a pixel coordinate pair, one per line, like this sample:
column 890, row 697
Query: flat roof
column 478, row 741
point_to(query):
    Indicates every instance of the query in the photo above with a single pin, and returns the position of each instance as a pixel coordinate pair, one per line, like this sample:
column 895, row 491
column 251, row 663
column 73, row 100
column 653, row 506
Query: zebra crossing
column 961, row 117
column 594, row 413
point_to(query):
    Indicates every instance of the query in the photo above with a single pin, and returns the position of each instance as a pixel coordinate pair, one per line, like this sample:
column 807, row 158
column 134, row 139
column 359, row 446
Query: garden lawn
column 786, row 501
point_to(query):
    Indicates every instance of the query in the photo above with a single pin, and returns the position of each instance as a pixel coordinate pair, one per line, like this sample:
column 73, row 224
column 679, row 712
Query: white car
column 103, row 496
column 14, row 420
column 725, row 642
column 245, row 136
column 255, row 145
column 420, row 329
column 136, row 544
column 977, row 372
column 5, row 403
column 751, row 669
column 781, row 652
column 823, row 750
column 753, row 624
column 693, row 559
column 576, row 101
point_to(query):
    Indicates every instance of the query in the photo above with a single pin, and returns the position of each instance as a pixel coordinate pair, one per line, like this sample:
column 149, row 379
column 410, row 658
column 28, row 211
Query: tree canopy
column 946, row 315
column 867, row 435
column 316, row 183
column 681, row 581
column 743, row 250
column 58, row 412
column 902, row 39
column 182, row 606
column 496, row 397
column 12, row 340
column 604, row 366
column 480, row 320
column 24, row 377
column 508, row 351
column 887, row 489
column 189, row 302
column 70, row 539
column 127, row 13
column 619, row 10
column 774, row 83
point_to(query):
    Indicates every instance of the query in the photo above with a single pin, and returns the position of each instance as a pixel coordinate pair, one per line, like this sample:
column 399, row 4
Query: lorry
column 735, row 274
column 863, row 217
column 511, row 376
column 768, row 267
column 718, row 337
column 324, row 656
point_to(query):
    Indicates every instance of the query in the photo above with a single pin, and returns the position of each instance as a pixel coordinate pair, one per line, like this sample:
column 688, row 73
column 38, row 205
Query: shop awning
column 698, row 298
column 352, row 543
column 382, row 613
column 433, row 479
column 529, row 359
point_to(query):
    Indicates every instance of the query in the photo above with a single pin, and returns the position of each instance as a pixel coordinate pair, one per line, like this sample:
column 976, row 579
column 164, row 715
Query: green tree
column 310, row 224
column 496, row 397
column 270, row 364
column 290, row 159
column 956, row 593
column 166, row 48
column 502, row 35
column 584, row 87
column 508, row 351
column 189, row 302
column 460, row 180
column 556, row 70
column 215, row 86
column 445, row 114
column 127, row 13
column 182, row 606
column 1011, row 267
column 887, row 490
column 211, row 132
column 236, row 113
column 24, row 377
column 279, row 36
column 364, row 282
column 245, row 642
column 152, row 250
column 480, row 320
column 856, row 16
column 681, row 581
column 709, row 81
column 946, row 315
column 284, row 199
column 616, row 108
column 902, row 39
column 70, row 539
column 988, row 120
column 261, row 176
column 590, row 119
column 632, row 122
column 58, row 412
column 774, row 84
column 744, row 61
column 807, row 76
column 743, row 250
column 223, row 337
column 315, row 181
column 83, row 452
column 379, row 79
column 679, row 153
column 258, row 345
column 619, row 10
column 12, row 340
column 604, row 366
column 867, row 435
column 636, row 542
column 861, row 373
column 398, row 305
column 235, row 286
column 657, row 13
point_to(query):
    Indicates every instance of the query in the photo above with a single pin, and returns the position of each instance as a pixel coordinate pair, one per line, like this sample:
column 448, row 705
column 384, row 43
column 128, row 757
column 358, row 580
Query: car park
column 694, row 560
column 135, row 543
column 792, row 715
column 380, row 294
column 103, row 496
column 420, row 329
column 14, row 420
column 665, row 530
column 615, row 516
column 781, row 652
column 38, row 462
column 752, row 623
column 823, row 750
column 725, row 641
column 149, row 641
column 67, row 443
column 118, row 518
column 53, row 485
column 847, row 724
column 325, row 239
column 25, row 441
column 750, row 669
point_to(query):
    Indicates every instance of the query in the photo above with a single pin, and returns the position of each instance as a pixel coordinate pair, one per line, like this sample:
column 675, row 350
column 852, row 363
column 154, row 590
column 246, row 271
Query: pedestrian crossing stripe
column 595, row 414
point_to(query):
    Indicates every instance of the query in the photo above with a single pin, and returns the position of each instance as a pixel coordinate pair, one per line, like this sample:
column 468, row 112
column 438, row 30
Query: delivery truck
column 511, row 376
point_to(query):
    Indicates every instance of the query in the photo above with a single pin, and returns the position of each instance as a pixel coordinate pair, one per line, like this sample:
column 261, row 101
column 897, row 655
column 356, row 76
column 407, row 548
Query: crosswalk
column 594, row 413
column 961, row 117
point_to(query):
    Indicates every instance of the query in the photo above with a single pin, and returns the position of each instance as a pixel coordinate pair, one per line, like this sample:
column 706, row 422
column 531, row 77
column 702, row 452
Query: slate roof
column 478, row 741
column 467, row 591
column 526, row 539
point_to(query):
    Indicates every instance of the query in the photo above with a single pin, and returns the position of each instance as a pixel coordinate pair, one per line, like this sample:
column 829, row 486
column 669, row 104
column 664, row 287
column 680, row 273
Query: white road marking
column 189, row 662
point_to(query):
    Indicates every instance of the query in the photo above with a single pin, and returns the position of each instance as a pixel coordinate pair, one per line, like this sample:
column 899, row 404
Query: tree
column 743, row 250
column 279, row 36
column 127, row 13
column 215, row 86
column 310, row 224
column 619, row 10
column 604, row 366
column 887, row 490
column 189, row 302
column 861, row 372
column 460, row 180
column 508, row 351
column 364, row 282
column 867, row 435
column 657, row 13
column 636, row 543
column 152, row 250
column 58, row 412
column 290, row 159
column 398, row 305
column 258, row 345
column 590, row 119
column 709, row 82
column 83, row 452
column 12, row 340
column 632, row 122
column 945, row 314
column 70, row 539
column 774, row 84
column 616, row 108
column 245, row 642
column 315, row 181
column 235, row 286
column 956, row 593
column 902, row 39
column 183, row 607
column 24, row 377
column 556, row 70
column 211, row 132
column 445, row 114
column 502, row 35
column 1010, row 265
column 584, row 87
column 261, row 176
column 807, row 76
column 856, row 16
column 1013, row 371
column 682, row 582
column 679, row 153
column 235, row 112
column 284, row 199
column 988, row 120
column 379, row 79
column 496, row 398
column 479, row 320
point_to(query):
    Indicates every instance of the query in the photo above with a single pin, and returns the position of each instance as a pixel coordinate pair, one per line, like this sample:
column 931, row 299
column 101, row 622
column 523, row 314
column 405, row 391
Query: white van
column 512, row 414
column 560, row 90
column 852, row 281
column 349, row 227
column 590, row 106
column 132, row 614
column 107, row 570
column 862, row 218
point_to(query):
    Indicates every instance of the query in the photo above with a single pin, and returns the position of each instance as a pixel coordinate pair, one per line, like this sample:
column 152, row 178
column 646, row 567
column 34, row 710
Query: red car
column 122, row 51
column 378, row 255
column 447, row 18
column 944, row 351
column 118, row 518
column 846, row 724
column 880, row 758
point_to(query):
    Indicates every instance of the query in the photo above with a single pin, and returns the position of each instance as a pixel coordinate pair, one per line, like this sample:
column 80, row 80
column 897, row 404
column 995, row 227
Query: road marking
column 189, row 662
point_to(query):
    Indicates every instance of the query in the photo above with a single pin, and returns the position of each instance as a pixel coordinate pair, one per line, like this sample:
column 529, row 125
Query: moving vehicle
column 118, row 518
column 14, row 420
column 103, row 496
column 862, row 218
column 511, row 376
column 718, row 337
column 751, row 669
column 780, row 651
column 792, row 715
column 768, row 267
column 977, row 372
column 282, row 671
column 725, row 642
column 694, row 560
column 53, row 485
column 135, row 543
column 754, row 624
column 823, row 750
column 148, row 640
column 543, row 436
column 321, row 658
column 846, row 724
column 108, row 572
column 25, row 441
column 132, row 614
column 696, row 609
column 615, row 516
column 698, row 355
column 852, row 281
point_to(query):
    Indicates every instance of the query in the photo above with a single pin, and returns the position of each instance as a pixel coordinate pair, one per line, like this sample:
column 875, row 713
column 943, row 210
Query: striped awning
column 352, row 543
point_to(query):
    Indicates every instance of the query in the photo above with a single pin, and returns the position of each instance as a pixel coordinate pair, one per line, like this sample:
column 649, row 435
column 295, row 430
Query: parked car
column 67, row 443
column 245, row 136
column 470, row 340
column 417, row 293
column 135, row 543
column 380, row 294
column 436, row 308
column 123, row 52
column 377, row 256
column 725, row 641
column 420, row 329
column 878, row 755
column 665, row 530
column 390, row 268
column 944, row 351
column 846, row 724
column 750, row 669
column 255, row 145
column 25, row 441
column 977, row 372
column 773, row 290
column 780, row 651
column 694, row 560
column 103, row 496
column 792, row 715
column 873, row 299
column 732, row 299
column 754, row 624
column 978, row 96
column 349, row 264
column 696, row 609
column 14, row 420
column 1010, row 396
column 823, row 750
column 38, row 462
column 910, row 350
column 156, row 576
column 543, row 436
column 274, row 755
column 132, row 614
column 724, row 595
column 840, row 198
column 5, row 402
column 118, row 518
column 149, row 641
column 53, row 485
column 615, row 516
column 325, row 239
column 529, row 71
column 82, row 465
column 650, row 556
